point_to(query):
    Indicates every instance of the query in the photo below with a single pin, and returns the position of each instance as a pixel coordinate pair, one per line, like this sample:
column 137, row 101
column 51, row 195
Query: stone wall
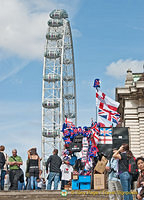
column 131, row 109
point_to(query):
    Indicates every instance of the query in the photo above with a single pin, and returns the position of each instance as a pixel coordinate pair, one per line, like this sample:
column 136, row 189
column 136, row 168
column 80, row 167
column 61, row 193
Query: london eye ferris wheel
column 59, row 86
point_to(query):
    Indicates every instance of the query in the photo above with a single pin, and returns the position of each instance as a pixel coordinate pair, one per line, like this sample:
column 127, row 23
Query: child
column 66, row 170
column 41, row 183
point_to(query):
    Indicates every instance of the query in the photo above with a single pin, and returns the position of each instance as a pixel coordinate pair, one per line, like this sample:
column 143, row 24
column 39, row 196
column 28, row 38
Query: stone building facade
column 131, row 99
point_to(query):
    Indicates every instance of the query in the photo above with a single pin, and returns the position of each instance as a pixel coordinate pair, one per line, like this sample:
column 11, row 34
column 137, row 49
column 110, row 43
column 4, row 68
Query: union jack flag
column 113, row 117
column 105, row 102
column 67, row 140
column 93, row 151
column 96, row 137
column 75, row 131
column 105, row 136
column 80, row 131
column 105, row 131
column 69, row 124
column 66, row 133
column 102, row 122
column 95, row 127
column 96, row 83
column 95, row 131
column 87, row 133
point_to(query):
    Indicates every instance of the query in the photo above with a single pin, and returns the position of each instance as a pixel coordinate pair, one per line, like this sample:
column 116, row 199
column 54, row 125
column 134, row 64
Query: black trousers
column 63, row 183
column 14, row 176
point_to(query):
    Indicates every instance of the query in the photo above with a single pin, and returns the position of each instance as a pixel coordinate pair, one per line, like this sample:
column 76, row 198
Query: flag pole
column 96, row 106
column 96, row 85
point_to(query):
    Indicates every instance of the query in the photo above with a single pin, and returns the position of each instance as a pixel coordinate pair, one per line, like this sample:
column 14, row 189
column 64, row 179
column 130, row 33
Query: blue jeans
column 28, row 187
column 21, row 186
column 125, row 179
column 3, row 173
column 33, row 181
column 53, row 176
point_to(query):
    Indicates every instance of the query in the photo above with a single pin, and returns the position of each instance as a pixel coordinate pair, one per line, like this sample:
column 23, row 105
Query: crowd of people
column 10, row 166
column 33, row 180
column 119, row 177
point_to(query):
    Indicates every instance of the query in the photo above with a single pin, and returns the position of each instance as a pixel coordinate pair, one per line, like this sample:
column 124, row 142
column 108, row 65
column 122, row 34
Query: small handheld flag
column 96, row 83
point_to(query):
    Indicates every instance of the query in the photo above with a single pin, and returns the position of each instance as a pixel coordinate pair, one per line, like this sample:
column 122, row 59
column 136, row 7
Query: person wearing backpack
column 5, row 167
column 124, row 155
column 2, row 163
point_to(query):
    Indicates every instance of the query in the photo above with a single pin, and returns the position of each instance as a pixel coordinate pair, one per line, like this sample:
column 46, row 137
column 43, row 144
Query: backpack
column 2, row 160
column 132, row 168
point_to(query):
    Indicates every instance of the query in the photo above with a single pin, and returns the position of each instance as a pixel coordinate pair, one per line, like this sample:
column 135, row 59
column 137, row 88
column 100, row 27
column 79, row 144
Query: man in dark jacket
column 54, row 175
column 2, row 162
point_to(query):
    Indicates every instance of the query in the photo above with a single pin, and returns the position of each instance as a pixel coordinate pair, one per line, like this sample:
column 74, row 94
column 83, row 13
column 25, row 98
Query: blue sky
column 107, row 37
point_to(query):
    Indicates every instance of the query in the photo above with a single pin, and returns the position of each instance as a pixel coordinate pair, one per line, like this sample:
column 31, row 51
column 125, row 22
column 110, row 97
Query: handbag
column 21, row 175
column 7, row 179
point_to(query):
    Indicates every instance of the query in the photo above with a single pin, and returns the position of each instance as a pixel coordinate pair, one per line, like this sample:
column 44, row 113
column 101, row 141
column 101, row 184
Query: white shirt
column 66, row 171
column 40, row 184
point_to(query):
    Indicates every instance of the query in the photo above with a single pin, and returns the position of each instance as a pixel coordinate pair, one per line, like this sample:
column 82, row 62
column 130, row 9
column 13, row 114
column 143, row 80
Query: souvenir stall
column 81, row 150
column 84, row 147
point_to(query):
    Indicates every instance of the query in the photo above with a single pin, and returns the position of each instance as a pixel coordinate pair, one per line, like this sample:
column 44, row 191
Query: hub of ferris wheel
column 59, row 86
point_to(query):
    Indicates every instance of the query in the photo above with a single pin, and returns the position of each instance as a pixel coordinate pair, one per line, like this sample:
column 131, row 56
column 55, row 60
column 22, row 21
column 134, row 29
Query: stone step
column 56, row 195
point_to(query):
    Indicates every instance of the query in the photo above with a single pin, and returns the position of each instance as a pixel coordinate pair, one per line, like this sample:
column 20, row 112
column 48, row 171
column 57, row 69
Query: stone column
column 141, row 125
column 132, row 121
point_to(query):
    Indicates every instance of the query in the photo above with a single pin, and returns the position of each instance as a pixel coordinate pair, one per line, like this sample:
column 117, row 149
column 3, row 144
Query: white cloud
column 118, row 69
column 7, row 72
column 23, row 25
column 21, row 32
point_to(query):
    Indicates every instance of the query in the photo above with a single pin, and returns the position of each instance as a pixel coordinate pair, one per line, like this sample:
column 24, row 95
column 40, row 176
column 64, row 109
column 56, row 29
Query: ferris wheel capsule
column 55, row 22
column 52, row 54
column 50, row 104
column 53, row 36
column 58, row 14
column 70, row 115
column 69, row 96
column 67, row 61
column 50, row 133
column 51, row 77
column 68, row 78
